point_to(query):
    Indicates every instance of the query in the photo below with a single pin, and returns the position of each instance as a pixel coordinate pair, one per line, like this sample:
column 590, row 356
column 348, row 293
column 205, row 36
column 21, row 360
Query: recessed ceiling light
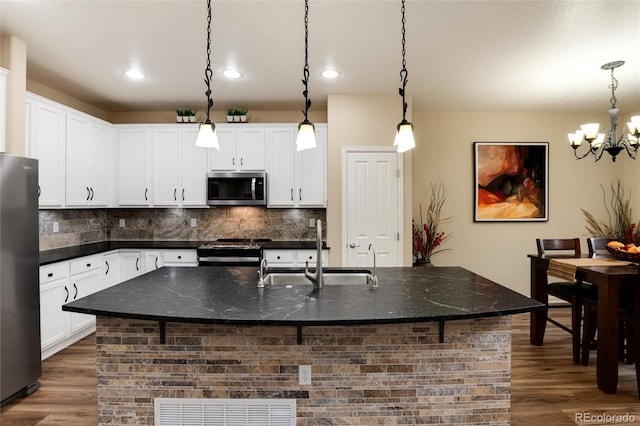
column 330, row 74
column 134, row 74
column 232, row 73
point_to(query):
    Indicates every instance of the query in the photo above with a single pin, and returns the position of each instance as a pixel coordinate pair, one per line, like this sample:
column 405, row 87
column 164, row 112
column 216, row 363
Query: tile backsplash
column 81, row 226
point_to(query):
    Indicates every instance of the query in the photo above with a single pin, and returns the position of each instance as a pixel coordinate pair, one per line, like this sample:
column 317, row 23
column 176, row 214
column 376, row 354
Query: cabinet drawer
column 180, row 256
column 306, row 255
column 278, row 256
column 84, row 264
column 53, row 272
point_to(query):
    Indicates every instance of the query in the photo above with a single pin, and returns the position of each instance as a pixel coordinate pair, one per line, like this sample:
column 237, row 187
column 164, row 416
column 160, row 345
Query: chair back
column 564, row 244
column 597, row 245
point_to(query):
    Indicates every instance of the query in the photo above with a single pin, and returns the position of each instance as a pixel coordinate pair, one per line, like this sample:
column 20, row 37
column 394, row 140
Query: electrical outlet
column 304, row 372
column 312, row 223
column 56, row 227
column 121, row 223
column 193, row 222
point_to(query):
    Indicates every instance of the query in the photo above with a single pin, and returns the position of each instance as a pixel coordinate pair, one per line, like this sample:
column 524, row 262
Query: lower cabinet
column 131, row 264
column 294, row 258
column 180, row 257
column 54, row 292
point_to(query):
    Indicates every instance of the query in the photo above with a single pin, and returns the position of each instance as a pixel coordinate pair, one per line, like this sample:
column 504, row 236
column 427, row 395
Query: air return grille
column 224, row 412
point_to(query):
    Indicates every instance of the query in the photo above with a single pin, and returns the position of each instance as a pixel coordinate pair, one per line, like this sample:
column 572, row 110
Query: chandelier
column 306, row 130
column 404, row 139
column 609, row 141
column 207, row 137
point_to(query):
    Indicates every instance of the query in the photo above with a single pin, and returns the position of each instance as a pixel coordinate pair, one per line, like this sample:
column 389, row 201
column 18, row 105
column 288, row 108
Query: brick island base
column 393, row 374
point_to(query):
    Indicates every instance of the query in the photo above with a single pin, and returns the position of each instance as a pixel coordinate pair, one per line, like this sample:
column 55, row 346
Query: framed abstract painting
column 511, row 181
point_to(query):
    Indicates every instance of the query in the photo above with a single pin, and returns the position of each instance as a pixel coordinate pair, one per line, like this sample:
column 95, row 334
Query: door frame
column 346, row 150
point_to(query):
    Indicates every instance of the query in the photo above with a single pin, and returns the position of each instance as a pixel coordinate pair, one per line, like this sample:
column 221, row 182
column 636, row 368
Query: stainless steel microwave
column 236, row 188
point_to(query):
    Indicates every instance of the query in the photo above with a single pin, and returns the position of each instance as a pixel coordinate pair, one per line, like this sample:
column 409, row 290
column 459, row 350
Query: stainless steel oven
column 231, row 252
column 236, row 188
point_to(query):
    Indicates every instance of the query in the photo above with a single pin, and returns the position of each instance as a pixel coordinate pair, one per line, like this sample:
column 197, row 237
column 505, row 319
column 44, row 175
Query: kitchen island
column 429, row 345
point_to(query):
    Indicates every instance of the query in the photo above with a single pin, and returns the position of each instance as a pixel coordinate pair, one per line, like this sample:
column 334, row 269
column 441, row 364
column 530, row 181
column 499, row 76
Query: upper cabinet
column 134, row 166
column 242, row 147
column 88, row 162
column 45, row 132
column 296, row 179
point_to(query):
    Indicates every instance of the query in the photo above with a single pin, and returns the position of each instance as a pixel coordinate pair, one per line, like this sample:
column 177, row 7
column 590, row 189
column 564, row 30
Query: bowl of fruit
column 629, row 252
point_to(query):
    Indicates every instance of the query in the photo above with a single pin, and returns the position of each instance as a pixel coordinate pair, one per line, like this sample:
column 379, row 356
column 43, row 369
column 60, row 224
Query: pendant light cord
column 404, row 74
column 305, row 71
column 208, row 72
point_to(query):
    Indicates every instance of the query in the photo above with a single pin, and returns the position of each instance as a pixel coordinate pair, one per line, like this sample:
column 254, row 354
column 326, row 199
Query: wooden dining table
column 609, row 278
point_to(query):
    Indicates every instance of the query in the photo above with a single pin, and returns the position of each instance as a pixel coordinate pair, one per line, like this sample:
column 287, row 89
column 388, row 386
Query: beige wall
column 361, row 120
column 13, row 57
column 499, row 251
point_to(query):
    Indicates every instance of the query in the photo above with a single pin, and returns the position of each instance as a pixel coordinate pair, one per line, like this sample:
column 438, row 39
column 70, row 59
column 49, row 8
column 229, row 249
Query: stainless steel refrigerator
column 19, row 277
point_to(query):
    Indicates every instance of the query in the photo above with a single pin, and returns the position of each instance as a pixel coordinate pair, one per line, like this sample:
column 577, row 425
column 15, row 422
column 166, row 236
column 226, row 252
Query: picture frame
column 511, row 181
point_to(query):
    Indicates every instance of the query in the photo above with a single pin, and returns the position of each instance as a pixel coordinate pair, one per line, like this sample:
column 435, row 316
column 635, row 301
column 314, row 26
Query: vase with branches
column 428, row 234
column 619, row 225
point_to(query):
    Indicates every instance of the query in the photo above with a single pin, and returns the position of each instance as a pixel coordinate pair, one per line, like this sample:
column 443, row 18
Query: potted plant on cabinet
column 242, row 113
column 191, row 116
column 231, row 112
column 179, row 115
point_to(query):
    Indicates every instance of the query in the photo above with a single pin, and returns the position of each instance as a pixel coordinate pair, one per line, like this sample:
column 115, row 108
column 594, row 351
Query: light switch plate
column 193, row 222
column 312, row 223
column 304, row 372
column 121, row 223
column 56, row 227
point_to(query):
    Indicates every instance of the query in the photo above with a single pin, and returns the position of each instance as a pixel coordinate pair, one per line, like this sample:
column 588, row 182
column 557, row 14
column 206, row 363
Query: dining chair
column 597, row 245
column 569, row 291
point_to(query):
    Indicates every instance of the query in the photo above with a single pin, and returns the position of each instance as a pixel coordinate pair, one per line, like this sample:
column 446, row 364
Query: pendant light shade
column 404, row 140
column 306, row 130
column 207, row 137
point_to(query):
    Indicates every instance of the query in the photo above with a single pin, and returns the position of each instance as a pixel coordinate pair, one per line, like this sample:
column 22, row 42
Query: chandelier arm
column 580, row 157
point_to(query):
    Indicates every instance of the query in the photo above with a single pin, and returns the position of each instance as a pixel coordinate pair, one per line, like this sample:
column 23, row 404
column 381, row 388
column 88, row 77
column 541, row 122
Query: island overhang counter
column 377, row 355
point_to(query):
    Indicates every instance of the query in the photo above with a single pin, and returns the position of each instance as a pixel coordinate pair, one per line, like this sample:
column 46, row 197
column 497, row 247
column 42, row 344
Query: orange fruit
column 633, row 249
column 615, row 244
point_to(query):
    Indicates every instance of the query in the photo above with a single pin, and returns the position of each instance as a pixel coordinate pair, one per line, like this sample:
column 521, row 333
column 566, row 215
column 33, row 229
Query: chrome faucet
column 373, row 279
column 263, row 269
column 317, row 278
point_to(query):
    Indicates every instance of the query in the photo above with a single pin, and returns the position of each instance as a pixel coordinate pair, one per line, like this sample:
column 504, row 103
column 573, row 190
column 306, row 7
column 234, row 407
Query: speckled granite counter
column 68, row 253
column 230, row 296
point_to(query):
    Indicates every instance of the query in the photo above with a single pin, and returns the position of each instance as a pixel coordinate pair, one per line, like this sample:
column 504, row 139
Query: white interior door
column 373, row 209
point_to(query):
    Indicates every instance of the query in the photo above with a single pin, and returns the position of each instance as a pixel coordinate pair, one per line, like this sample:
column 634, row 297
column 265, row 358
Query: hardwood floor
column 547, row 388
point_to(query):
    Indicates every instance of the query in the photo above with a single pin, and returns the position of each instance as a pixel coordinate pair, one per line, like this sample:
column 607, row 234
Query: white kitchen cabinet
column 242, row 148
column 85, row 278
column 180, row 257
column 54, row 292
column 152, row 260
column 46, row 142
column 179, row 167
column 134, row 166
column 296, row 179
column 111, row 269
column 88, row 161
column 294, row 258
column 131, row 264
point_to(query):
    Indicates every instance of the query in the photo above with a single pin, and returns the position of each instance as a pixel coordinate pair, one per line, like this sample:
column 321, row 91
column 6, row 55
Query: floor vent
column 224, row 412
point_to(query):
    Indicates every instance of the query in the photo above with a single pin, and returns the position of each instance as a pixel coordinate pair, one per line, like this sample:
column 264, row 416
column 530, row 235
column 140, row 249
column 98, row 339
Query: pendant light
column 207, row 137
column 404, row 140
column 306, row 130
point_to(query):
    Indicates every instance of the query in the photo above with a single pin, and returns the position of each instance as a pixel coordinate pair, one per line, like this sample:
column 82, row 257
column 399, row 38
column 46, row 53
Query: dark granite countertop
column 68, row 253
column 230, row 296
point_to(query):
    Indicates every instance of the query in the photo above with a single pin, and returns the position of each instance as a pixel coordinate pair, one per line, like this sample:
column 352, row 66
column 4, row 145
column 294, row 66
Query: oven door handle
column 253, row 188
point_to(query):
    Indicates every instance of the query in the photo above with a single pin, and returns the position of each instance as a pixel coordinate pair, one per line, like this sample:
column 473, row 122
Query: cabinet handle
column 291, row 194
column 300, row 194
column 146, row 190
column 88, row 265
column 91, row 193
column 39, row 191
column 50, row 274
column 88, row 194
column 278, row 257
column 66, row 297
column 76, row 289
column 107, row 262
column 137, row 261
column 156, row 262
column 175, row 194
column 179, row 257
column 241, row 161
column 182, row 194
column 233, row 161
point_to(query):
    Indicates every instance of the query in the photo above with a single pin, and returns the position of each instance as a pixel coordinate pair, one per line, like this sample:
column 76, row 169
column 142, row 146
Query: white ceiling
column 461, row 55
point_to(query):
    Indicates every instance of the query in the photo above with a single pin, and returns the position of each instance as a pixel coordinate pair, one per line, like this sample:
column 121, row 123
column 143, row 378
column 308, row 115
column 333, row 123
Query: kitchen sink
column 342, row 277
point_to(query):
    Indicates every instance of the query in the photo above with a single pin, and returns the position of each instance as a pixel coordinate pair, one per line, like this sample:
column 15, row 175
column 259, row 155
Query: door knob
column 354, row 245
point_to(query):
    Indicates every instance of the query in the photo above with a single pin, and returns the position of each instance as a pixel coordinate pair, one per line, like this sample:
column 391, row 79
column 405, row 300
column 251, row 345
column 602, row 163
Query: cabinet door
column 83, row 285
column 166, row 143
column 193, row 170
column 78, row 151
column 251, row 146
column 312, row 172
column 152, row 261
column 111, row 270
column 225, row 158
column 134, row 171
column 99, row 163
column 281, row 166
column 131, row 263
column 47, row 144
column 54, row 322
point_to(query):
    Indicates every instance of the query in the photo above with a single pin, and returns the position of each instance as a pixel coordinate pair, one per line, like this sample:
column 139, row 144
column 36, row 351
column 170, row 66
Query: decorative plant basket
column 624, row 255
